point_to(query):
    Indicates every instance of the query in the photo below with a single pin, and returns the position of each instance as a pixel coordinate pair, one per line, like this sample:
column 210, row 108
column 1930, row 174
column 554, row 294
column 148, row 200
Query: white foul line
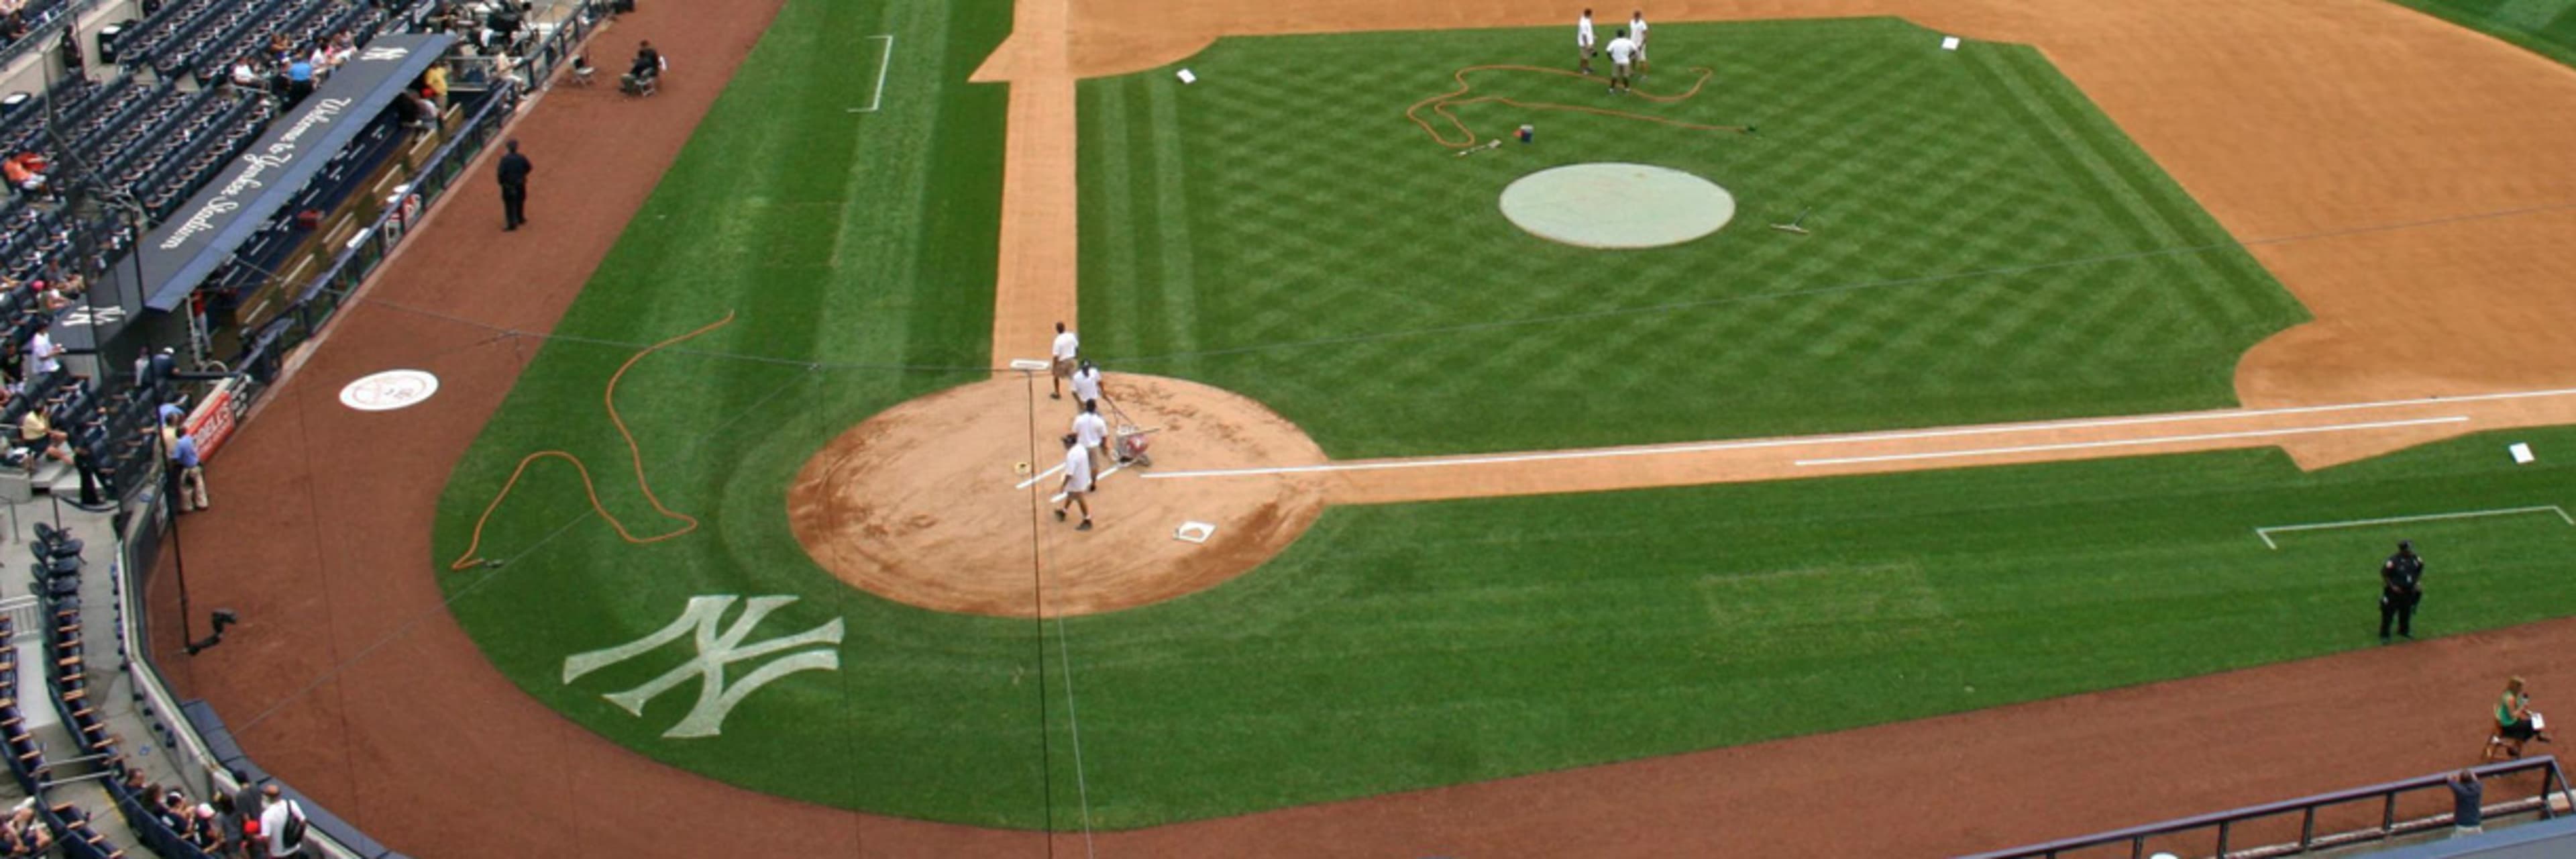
column 1095, row 482
column 1041, row 476
column 2131, row 442
column 885, row 66
column 1952, row 432
column 2267, row 532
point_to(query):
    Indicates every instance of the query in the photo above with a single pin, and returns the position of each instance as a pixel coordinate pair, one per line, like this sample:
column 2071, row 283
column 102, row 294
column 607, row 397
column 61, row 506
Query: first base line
column 2130, row 442
column 1951, row 432
column 2266, row 532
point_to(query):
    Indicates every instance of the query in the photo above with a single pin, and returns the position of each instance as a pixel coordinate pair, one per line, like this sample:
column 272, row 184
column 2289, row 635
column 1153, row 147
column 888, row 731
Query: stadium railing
column 2380, row 801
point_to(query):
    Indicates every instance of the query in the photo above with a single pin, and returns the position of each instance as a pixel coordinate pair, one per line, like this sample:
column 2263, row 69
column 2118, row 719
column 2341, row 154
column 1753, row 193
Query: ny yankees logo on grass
column 714, row 652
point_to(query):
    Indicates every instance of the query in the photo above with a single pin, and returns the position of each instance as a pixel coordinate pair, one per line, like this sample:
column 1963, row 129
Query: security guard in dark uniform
column 2401, row 586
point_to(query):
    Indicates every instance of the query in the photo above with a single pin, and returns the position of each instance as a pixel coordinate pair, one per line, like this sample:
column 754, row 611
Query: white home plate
column 1194, row 532
column 389, row 390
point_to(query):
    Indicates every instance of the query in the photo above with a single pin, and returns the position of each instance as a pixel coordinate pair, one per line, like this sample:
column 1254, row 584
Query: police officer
column 514, row 172
column 2401, row 586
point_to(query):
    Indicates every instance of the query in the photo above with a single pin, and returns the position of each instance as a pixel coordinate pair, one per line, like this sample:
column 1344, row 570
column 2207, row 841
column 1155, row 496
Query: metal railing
column 23, row 617
column 2228, row 826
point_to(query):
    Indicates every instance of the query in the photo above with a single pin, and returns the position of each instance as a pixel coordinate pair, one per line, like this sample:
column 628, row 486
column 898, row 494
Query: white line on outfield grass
column 1953, row 432
column 885, row 66
column 2267, row 532
column 2131, row 442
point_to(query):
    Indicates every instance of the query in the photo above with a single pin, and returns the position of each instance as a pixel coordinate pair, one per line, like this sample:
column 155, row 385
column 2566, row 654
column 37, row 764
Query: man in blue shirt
column 299, row 79
column 192, row 470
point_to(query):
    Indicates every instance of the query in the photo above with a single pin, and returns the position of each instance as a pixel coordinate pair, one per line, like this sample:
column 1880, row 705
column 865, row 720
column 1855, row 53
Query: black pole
column 178, row 558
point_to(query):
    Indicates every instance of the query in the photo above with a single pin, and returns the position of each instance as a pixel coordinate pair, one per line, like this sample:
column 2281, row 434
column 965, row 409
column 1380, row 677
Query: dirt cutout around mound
column 926, row 502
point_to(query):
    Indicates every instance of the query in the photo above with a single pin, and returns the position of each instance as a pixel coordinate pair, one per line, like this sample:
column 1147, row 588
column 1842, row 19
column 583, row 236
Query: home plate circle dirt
column 932, row 502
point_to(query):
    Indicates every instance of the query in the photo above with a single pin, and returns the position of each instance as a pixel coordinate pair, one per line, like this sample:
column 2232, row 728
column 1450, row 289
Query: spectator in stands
column 246, row 808
column 26, row 172
column 299, row 79
column 282, row 822
column 45, row 355
column 203, row 832
column 173, row 811
column 36, row 430
column 24, row 835
column 341, row 49
column 69, row 286
column 247, row 75
column 279, row 49
column 47, row 297
column 435, row 81
column 506, row 67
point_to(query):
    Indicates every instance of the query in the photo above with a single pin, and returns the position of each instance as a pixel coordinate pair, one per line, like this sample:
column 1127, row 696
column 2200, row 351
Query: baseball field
column 2078, row 392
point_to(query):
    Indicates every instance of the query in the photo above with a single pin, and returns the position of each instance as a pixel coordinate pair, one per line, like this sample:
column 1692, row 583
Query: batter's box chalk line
column 1194, row 532
column 2266, row 532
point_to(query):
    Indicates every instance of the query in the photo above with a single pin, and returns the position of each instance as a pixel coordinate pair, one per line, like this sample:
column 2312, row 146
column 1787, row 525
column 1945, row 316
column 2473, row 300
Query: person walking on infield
column 1093, row 432
column 1583, row 40
column 1621, row 51
column 1086, row 385
column 1077, row 481
column 2401, row 586
column 514, row 186
column 1066, row 346
column 1637, row 33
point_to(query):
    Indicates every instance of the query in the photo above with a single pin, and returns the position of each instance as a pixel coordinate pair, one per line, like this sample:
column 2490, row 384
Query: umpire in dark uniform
column 514, row 186
column 2401, row 586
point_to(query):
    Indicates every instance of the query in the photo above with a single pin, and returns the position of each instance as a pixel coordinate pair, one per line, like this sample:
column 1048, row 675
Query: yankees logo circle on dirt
column 389, row 390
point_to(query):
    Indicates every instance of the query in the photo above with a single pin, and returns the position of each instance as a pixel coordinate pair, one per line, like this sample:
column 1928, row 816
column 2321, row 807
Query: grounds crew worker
column 2401, row 586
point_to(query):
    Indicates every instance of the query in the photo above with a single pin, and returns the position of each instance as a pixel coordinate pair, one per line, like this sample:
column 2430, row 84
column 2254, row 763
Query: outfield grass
column 2545, row 27
column 1987, row 245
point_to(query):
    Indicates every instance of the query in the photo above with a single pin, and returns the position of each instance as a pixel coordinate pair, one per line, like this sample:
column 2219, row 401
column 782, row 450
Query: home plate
column 1194, row 532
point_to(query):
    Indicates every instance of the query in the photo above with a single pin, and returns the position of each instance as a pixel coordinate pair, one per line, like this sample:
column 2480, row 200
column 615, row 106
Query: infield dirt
column 2325, row 121
column 910, row 504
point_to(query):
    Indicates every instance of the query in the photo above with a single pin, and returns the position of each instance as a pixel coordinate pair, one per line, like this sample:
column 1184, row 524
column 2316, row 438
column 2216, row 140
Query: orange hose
column 469, row 559
column 1440, row 104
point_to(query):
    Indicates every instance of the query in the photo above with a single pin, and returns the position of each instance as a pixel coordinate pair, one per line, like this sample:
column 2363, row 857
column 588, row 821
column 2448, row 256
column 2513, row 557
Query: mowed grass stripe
column 2221, row 280
column 1109, row 220
column 1176, row 282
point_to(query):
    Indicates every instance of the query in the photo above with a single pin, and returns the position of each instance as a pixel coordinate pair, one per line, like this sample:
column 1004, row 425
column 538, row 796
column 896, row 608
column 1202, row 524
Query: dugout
column 230, row 252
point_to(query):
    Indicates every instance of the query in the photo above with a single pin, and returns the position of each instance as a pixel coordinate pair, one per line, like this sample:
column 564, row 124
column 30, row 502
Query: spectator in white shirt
column 274, row 825
column 44, row 356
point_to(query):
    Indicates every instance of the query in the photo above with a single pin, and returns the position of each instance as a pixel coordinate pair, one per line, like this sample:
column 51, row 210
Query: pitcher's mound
column 1617, row 206
column 928, row 504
